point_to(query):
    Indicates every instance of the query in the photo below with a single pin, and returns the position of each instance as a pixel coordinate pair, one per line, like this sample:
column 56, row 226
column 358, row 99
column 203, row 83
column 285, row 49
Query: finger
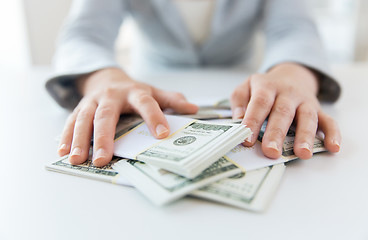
column 260, row 104
column 151, row 113
column 105, row 120
column 332, row 133
column 67, row 135
column 307, row 124
column 82, row 134
column 175, row 101
column 239, row 100
column 279, row 121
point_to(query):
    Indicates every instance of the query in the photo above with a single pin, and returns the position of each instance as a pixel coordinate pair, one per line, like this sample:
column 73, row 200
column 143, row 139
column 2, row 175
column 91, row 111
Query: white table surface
column 323, row 198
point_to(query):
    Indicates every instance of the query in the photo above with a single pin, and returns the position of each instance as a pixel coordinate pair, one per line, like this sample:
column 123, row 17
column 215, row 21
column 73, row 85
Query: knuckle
column 291, row 90
column 284, row 109
column 262, row 99
column 269, row 85
column 79, row 139
column 138, row 87
column 277, row 132
column 135, row 87
column 253, row 121
column 101, row 139
column 143, row 99
column 309, row 114
column 110, row 92
column 261, row 80
column 105, row 112
column 84, row 114
column 306, row 133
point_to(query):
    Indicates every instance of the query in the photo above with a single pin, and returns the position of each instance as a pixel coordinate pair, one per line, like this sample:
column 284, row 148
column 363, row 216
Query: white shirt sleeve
column 292, row 36
column 86, row 44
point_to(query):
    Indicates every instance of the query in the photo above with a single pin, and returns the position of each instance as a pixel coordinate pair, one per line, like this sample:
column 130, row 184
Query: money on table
column 252, row 158
column 88, row 170
column 162, row 187
column 192, row 146
column 223, row 181
column 252, row 190
column 249, row 158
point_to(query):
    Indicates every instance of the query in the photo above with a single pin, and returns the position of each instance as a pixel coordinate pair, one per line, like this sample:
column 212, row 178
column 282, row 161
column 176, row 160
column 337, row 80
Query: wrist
column 100, row 79
column 297, row 72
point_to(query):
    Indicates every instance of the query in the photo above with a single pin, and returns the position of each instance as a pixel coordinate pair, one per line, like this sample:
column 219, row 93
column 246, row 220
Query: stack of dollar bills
column 191, row 148
column 168, row 169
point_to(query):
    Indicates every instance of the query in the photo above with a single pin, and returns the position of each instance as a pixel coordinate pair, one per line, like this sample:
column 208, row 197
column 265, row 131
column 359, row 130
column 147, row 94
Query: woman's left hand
column 287, row 93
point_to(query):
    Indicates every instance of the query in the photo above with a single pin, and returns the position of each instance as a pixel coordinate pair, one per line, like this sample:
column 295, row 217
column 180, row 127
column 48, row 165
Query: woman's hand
column 107, row 94
column 286, row 93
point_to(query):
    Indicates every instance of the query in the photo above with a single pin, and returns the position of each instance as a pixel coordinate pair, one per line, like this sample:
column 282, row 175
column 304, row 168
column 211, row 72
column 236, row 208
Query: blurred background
column 29, row 30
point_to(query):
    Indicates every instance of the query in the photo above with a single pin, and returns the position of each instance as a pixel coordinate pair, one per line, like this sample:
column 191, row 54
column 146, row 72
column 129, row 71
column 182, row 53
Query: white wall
column 337, row 21
column 344, row 32
column 13, row 38
column 361, row 50
column 44, row 19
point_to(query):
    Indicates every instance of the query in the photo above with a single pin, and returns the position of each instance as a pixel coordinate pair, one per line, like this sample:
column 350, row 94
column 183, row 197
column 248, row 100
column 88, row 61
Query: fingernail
column 76, row 152
column 306, row 146
column 273, row 145
column 249, row 139
column 100, row 153
column 62, row 147
column 238, row 112
column 160, row 130
column 336, row 143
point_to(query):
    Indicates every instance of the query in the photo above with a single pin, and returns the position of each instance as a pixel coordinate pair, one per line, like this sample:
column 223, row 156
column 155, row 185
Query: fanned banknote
column 222, row 181
column 251, row 191
column 162, row 187
column 87, row 170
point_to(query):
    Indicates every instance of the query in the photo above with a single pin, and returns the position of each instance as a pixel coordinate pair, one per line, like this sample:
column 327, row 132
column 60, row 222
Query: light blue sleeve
column 86, row 44
column 291, row 36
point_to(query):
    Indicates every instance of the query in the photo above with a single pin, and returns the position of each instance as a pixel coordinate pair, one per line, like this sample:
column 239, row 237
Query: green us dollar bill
column 86, row 169
column 162, row 187
column 251, row 191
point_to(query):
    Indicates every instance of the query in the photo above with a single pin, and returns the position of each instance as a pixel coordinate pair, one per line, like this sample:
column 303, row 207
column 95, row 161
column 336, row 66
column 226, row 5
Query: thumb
column 175, row 101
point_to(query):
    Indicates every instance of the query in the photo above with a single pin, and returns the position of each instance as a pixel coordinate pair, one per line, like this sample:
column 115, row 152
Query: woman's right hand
column 107, row 94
